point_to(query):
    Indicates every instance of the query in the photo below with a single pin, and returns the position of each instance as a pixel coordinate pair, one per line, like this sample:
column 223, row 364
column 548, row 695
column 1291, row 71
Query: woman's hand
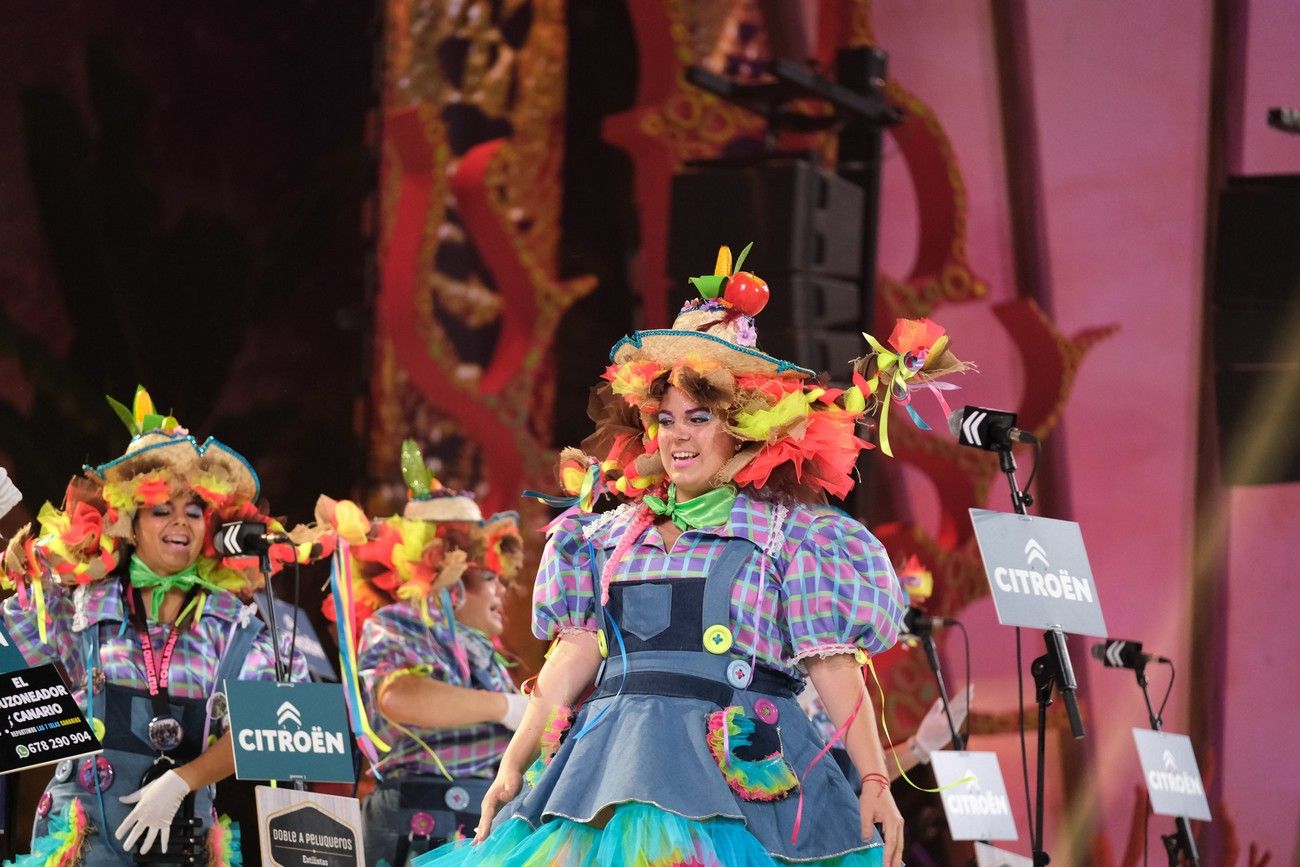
column 876, row 804
column 501, row 792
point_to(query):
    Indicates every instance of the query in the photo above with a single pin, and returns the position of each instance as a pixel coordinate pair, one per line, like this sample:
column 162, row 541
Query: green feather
column 414, row 471
column 740, row 263
column 125, row 414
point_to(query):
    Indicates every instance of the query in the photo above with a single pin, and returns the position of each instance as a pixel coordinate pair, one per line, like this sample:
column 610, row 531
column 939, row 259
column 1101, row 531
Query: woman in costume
column 435, row 690
column 124, row 588
column 697, row 609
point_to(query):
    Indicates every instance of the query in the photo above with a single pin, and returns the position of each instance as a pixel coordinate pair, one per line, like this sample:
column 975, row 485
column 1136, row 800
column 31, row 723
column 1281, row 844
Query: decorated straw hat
column 716, row 327
column 792, row 432
column 81, row 542
column 418, row 556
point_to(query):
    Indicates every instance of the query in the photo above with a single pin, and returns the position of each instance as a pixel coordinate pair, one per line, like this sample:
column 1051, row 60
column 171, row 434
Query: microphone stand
column 925, row 635
column 264, row 563
column 1052, row 669
column 281, row 672
column 1181, row 841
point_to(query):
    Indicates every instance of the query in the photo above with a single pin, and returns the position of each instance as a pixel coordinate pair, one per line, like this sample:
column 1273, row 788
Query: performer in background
column 436, row 690
column 123, row 587
column 697, row 608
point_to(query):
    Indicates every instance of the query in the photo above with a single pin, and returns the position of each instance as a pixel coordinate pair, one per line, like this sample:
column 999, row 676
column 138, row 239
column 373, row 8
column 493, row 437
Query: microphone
column 244, row 539
column 989, row 429
column 1118, row 653
column 917, row 622
column 1285, row 119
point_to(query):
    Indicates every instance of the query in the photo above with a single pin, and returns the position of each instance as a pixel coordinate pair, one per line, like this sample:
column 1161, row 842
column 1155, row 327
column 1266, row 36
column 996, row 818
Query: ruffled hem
column 824, row 651
column 223, row 844
column 636, row 834
column 63, row 844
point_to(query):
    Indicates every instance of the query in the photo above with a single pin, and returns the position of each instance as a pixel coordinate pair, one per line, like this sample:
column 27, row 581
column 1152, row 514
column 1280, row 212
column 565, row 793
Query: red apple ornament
column 746, row 292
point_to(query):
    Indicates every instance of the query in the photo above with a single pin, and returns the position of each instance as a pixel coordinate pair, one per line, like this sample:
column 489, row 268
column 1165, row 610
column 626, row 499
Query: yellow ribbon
column 885, row 360
column 38, row 595
column 884, row 726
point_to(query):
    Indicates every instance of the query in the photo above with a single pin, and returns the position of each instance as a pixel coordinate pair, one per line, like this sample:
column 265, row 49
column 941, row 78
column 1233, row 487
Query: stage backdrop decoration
column 468, row 297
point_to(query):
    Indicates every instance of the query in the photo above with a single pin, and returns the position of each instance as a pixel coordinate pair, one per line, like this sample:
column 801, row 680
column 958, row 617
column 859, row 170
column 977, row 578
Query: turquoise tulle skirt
column 637, row 835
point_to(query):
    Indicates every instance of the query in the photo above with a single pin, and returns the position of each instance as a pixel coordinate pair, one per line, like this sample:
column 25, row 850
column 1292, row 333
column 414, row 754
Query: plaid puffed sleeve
column 259, row 664
column 564, row 595
column 839, row 592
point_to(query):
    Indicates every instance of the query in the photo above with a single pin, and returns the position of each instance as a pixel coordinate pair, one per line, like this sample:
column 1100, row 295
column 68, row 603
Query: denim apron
column 98, row 781
column 652, row 745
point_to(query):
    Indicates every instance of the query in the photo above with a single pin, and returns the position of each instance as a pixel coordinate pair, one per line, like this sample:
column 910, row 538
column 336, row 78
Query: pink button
column 422, row 824
column 766, row 711
column 44, row 804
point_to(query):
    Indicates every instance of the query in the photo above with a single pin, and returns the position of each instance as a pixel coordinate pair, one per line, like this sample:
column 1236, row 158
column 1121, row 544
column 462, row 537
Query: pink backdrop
column 1121, row 95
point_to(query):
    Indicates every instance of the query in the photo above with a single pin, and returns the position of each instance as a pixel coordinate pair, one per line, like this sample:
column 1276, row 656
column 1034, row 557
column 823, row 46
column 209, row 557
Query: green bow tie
column 147, row 579
column 706, row 510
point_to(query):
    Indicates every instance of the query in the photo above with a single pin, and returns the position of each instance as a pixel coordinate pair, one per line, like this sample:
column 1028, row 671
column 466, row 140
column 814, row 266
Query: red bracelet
column 877, row 778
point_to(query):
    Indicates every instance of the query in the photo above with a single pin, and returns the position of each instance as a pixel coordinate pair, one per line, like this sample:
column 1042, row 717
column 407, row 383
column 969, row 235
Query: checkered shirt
column 195, row 660
column 819, row 584
column 395, row 639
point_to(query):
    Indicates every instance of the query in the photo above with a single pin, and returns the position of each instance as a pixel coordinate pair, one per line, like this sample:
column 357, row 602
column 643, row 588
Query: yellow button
column 602, row 644
column 97, row 726
column 861, row 656
column 717, row 639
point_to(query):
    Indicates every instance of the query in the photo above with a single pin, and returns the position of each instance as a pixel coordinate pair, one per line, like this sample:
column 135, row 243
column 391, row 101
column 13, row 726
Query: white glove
column 10, row 496
column 933, row 732
column 516, row 704
column 155, row 807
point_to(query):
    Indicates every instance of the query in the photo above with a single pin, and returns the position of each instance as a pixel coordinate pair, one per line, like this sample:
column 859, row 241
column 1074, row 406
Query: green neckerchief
column 147, row 579
column 707, row 510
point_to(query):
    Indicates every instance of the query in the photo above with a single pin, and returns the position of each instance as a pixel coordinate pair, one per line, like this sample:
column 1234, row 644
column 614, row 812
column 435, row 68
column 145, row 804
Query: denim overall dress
column 98, row 781
column 670, row 669
column 409, row 814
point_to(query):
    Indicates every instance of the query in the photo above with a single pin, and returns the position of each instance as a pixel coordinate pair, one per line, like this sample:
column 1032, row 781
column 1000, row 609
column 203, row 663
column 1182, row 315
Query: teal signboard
column 290, row 731
column 11, row 658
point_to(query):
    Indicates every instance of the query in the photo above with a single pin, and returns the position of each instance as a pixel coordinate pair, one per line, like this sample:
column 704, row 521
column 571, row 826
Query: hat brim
column 181, row 455
column 667, row 346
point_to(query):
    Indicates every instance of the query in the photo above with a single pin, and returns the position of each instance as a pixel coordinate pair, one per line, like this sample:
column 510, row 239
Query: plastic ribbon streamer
column 38, row 597
column 442, row 769
column 341, row 592
column 836, row 738
column 884, row 726
column 622, row 653
column 894, row 375
column 588, row 490
column 457, row 649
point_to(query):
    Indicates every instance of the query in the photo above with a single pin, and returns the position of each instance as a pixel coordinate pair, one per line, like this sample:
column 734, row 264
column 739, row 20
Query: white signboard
column 1172, row 777
column 1038, row 572
column 977, row 809
column 309, row 829
column 992, row 856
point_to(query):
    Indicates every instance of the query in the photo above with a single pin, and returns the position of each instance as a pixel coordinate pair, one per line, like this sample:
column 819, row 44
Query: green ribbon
column 706, row 510
column 147, row 579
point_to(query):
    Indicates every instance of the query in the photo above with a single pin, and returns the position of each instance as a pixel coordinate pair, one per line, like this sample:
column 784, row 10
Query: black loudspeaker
column 799, row 217
column 1256, row 316
column 821, row 350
